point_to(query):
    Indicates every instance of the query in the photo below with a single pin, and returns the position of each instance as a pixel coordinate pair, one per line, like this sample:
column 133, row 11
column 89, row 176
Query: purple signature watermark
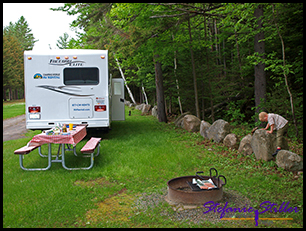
column 266, row 206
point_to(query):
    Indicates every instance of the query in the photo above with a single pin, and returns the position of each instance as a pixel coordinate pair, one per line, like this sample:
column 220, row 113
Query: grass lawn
column 138, row 156
column 13, row 108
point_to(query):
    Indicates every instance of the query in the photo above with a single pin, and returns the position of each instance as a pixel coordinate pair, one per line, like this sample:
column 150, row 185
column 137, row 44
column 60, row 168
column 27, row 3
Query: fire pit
column 185, row 190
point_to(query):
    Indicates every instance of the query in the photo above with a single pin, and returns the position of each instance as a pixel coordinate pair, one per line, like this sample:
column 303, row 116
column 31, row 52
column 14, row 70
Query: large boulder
column 179, row 120
column 289, row 160
column 154, row 111
column 263, row 145
column 145, row 109
column 231, row 141
column 245, row 145
column 203, row 128
column 139, row 106
column 218, row 130
column 191, row 123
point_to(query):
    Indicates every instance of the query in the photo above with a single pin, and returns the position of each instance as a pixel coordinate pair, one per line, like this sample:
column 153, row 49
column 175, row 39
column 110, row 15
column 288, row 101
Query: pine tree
column 22, row 32
column 17, row 37
column 63, row 42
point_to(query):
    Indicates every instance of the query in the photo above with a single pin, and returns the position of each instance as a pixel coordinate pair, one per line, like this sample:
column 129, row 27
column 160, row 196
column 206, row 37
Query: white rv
column 71, row 86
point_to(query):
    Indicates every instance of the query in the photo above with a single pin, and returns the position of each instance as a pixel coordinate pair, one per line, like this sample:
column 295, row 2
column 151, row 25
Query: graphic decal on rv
column 68, row 62
column 63, row 91
column 47, row 76
column 38, row 76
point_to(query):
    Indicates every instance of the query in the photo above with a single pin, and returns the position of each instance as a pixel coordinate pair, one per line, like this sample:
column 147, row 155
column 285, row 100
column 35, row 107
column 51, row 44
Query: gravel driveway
column 14, row 128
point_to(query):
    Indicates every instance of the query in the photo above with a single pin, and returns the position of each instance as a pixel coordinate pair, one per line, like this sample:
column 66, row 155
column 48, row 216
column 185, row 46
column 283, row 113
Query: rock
column 203, row 128
column 154, row 111
column 145, row 109
column 245, row 145
column 289, row 161
column 179, row 121
column 191, row 123
column 218, row 130
column 231, row 141
column 127, row 103
column 139, row 106
column 263, row 145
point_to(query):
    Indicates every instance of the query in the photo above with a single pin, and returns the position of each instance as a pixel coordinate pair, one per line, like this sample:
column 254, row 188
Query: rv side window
column 81, row 76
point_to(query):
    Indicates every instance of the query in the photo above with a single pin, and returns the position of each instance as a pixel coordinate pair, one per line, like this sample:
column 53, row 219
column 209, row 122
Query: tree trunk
column 194, row 74
column 211, row 104
column 260, row 75
column 144, row 93
column 178, row 97
column 238, row 55
column 177, row 85
column 16, row 93
column 208, row 73
column 224, row 60
column 209, row 84
column 127, row 87
column 10, row 94
column 216, row 45
column 4, row 93
column 159, row 90
column 285, row 75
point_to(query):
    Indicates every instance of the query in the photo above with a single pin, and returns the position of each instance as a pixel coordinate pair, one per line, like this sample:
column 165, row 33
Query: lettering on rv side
column 68, row 62
column 80, row 105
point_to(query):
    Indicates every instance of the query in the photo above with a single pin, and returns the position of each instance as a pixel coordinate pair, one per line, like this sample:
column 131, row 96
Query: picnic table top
column 72, row 137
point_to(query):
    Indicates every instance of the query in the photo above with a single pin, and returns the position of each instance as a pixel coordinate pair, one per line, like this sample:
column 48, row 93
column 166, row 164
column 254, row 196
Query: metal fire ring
column 179, row 191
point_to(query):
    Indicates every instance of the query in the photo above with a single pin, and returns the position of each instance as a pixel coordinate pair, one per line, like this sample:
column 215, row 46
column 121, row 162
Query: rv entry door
column 118, row 99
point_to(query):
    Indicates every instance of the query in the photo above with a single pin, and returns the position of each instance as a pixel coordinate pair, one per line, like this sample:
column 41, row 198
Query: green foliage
column 22, row 32
column 12, row 63
column 234, row 115
column 63, row 43
column 16, row 39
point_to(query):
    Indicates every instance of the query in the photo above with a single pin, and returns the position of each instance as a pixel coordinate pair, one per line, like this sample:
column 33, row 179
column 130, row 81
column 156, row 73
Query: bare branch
column 197, row 11
column 167, row 16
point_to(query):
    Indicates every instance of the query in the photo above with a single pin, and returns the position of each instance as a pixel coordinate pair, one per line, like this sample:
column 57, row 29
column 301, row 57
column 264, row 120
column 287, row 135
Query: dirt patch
column 14, row 128
column 116, row 208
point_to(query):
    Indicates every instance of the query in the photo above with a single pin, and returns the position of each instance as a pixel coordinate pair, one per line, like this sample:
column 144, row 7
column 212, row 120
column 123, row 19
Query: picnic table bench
column 25, row 150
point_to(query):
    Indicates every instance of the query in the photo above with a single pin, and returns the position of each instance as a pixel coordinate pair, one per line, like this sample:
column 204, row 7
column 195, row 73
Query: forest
column 216, row 60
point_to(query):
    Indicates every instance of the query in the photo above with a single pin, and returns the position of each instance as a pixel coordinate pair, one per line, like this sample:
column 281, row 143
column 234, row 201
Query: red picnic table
column 71, row 138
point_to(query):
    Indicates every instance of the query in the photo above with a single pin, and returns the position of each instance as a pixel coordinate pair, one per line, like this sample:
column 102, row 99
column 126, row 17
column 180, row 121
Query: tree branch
column 167, row 16
column 198, row 11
